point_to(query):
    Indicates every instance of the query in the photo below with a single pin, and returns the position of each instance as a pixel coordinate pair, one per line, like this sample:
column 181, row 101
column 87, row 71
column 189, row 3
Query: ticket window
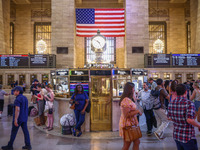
column 45, row 78
column 1, row 79
column 166, row 76
column 190, row 77
column 32, row 77
column 10, row 79
column 21, row 79
column 178, row 77
column 155, row 76
column 198, row 76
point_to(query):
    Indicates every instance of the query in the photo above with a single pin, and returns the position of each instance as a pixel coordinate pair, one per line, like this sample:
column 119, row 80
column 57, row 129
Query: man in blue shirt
column 20, row 118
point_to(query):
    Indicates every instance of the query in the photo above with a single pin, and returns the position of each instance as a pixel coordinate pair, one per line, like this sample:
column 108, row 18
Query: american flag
column 110, row 22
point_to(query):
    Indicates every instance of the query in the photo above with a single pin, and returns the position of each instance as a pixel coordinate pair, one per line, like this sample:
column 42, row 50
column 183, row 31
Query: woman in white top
column 196, row 96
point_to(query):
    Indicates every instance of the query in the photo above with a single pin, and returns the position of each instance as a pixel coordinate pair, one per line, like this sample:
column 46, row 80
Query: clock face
column 98, row 42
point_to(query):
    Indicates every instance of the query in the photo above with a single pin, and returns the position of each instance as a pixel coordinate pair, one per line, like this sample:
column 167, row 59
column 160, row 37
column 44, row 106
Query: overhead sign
column 62, row 72
column 79, row 72
column 161, row 60
column 139, row 72
column 38, row 60
column 185, row 60
column 121, row 72
column 14, row 60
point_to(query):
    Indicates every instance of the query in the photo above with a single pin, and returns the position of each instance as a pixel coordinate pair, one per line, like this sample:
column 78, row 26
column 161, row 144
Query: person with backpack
column 20, row 118
column 81, row 100
column 160, row 109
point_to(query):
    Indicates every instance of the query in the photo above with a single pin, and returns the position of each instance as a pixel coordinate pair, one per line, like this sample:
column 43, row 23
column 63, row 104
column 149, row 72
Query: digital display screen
column 161, row 59
column 179, row 60
column 38, row 60
column 73, row 86
column 14, row 60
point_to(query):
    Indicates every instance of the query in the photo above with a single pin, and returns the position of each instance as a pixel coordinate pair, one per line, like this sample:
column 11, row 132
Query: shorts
column 1, row 104
column 197, row 105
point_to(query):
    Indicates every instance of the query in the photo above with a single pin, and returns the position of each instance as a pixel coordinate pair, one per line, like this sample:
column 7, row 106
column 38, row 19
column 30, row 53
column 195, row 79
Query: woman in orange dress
column 128, row 109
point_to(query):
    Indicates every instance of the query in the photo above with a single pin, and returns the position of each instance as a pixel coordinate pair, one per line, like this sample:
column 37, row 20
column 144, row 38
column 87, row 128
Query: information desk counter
column 62, row 107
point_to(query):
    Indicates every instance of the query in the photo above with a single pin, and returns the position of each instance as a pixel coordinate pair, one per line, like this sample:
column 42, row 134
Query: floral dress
column 128, row 105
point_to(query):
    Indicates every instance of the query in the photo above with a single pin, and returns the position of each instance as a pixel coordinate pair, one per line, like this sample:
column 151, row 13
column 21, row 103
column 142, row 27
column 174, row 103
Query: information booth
column 139, row 76
column 104, row 87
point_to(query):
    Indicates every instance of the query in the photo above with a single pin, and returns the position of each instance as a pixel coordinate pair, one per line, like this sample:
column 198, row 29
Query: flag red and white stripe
column 110, row 22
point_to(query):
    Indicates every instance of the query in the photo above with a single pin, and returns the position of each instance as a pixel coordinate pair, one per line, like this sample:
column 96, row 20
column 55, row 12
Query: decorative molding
column 187, row 12
column 37, row 13
column 158, row 12
column 21, row 1
column 12, row 13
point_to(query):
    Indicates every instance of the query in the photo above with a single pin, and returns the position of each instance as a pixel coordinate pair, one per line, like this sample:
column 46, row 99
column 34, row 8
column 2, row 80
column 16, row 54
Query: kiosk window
column 108, row 55
column 1, row 79
column 21, row 79
column 32, row 77
column 10, row 79
column 45, row 78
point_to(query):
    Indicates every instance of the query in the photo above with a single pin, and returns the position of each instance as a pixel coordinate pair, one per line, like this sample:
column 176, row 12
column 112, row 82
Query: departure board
column 38, row 60
column 184, row 60
column 161, row 60
column 14, row 61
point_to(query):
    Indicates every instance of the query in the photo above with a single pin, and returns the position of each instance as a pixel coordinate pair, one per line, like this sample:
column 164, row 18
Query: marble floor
column 44, row 141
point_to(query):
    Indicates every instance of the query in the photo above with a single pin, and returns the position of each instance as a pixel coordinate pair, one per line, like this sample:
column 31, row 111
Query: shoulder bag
column 131, row 133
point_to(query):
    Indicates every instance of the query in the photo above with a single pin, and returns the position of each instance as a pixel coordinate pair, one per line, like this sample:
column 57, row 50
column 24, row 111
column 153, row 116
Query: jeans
column 162, row 117
column 149, row 119
column 190, row 145
column 166, row 103
column 197, row 105
column 14, row 133
column 80, row 118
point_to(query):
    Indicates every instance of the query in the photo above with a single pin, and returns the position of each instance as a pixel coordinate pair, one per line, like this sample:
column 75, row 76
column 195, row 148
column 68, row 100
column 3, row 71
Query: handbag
column 131, row 133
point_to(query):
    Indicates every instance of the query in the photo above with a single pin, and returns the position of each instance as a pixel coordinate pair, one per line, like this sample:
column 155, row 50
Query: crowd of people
column 162, row 102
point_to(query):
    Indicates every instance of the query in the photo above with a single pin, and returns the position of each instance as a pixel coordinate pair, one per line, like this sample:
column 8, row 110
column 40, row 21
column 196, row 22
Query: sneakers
column 79, row 134
column 74, row 131
column 149, row 133
column 7, row 147
column 159, row 137
column 27, row 147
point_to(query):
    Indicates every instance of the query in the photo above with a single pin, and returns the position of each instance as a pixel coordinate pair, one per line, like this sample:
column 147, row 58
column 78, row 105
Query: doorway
column 101, row 104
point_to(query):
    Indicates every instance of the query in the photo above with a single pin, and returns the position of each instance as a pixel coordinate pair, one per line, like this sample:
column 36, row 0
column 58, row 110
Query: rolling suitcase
column 10, row 109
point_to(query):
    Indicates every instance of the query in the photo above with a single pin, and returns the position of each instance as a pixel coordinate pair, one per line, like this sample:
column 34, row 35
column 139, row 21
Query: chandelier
column 158, row 46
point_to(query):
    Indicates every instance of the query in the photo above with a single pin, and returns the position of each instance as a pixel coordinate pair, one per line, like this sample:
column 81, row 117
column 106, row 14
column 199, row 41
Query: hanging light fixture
column 41, row 45
column 158, row 44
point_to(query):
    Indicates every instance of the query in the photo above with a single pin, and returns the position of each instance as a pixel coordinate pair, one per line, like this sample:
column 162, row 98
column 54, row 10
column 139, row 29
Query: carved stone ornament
column 37, row 13
column 158, row 12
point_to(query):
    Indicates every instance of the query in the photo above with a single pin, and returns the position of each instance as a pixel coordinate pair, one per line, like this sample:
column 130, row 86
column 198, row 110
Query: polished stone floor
column 45, row 141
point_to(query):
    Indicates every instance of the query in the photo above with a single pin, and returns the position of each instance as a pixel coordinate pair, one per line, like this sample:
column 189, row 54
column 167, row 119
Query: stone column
column 137, row 31
column 193, row 21
column 6, row 23
column 177, row 31
column 2, row 51
column 197, row 46
column 63, row 31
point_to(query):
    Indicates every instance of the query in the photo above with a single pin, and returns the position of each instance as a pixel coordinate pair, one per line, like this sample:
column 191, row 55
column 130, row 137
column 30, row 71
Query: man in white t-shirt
column 2, row 93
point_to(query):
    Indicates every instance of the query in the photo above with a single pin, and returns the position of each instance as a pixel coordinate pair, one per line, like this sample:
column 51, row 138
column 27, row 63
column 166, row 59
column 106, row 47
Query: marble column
column 137, row 31
column 63, row 31
column 2, row 51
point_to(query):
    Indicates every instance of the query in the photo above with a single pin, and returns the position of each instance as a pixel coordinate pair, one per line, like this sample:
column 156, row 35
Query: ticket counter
column 10, row 79
column 32, row 77
column 178, row 77
column 189, row 77
column 167, row 76
column 22, row 79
